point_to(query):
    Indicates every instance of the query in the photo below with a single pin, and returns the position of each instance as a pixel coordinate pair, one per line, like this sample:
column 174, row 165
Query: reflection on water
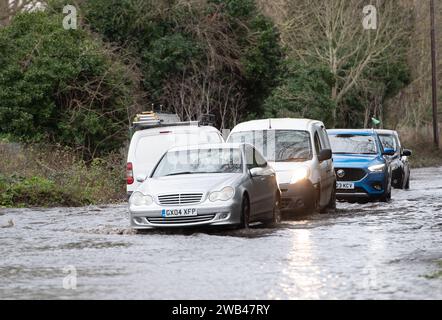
column 301, row 271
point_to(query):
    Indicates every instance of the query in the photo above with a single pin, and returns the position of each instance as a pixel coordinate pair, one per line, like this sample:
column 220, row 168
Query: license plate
column 181, row 212
column 345, row 185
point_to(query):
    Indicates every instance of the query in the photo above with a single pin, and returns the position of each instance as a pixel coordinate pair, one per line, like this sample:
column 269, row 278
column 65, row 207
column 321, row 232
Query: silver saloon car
column 217, row 185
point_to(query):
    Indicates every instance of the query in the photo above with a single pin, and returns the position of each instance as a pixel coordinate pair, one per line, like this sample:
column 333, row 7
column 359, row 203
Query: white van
column 299, row 151
column 150, row 142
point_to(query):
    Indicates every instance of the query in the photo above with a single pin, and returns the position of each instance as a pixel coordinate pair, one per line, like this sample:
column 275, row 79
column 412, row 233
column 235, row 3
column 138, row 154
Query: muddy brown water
column 368, row 251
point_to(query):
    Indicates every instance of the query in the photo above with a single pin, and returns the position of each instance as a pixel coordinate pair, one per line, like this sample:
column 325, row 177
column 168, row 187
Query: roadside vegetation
column 67, row 97
column 38, row 175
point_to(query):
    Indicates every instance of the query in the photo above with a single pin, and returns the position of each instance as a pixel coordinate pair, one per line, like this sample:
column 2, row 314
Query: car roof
column 385, row 131
column 368, row 132
column 277, row 124
column 208, row 146
column 190, row 128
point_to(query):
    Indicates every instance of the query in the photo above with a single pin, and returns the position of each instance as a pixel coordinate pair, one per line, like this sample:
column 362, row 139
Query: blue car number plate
column 345, row 185
column 180, row 212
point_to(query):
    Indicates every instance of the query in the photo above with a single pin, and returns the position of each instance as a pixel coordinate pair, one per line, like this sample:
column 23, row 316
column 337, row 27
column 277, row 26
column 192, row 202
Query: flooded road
column 369, row 251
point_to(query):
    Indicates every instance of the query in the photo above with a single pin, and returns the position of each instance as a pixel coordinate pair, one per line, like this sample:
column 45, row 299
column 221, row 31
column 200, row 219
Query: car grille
column 180, row 199
column 181, row 220
column 350, row 174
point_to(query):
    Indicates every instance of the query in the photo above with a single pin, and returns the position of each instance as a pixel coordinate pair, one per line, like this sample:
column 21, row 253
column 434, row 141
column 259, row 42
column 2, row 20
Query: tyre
column 245, row 213
column 332, row 202
column 407, row 184
column 387, row 195
column 312, row 205
column 276, row 217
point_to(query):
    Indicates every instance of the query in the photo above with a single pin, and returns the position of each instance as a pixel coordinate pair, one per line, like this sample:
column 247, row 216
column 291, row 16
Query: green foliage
column 262, row 61
column 175, row 40
column 60, row 86
column 41, row 176
column 167, row 56
column 34, row 191
column 303, row 92
column 382, row 81
column 237, row 8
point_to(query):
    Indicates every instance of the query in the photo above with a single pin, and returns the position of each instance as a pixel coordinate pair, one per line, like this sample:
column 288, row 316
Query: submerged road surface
column 370, row 251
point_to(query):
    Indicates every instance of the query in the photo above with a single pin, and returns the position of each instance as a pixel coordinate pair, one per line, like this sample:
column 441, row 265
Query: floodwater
column 369, row 251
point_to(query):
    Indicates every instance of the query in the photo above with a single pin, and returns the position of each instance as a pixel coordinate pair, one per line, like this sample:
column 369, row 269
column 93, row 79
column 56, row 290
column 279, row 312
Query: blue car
column 363, row 170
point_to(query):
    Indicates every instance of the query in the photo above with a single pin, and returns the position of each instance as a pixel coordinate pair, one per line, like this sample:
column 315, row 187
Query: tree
column 304, row 92
column 331, row 33
column 197, row 56
column 9, row 8
column 60, row 86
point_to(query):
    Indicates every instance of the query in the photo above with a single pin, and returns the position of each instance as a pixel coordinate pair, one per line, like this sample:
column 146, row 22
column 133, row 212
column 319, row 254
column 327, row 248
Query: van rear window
column 150, row 148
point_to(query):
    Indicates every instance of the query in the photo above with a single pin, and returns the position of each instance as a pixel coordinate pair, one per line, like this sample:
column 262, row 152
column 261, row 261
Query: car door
column 326, row 167
column 270, row 185
column 259, row 192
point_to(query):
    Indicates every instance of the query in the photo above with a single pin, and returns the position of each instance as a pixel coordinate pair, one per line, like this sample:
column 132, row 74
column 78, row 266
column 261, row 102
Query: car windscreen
column 353, row 144
column 278, row 145
column 217, row 160
column 388, row 141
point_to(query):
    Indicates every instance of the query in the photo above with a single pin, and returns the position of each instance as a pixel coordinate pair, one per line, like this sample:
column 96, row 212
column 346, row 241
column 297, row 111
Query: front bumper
column 372, row 186
column 298, row 196
column 219, row 213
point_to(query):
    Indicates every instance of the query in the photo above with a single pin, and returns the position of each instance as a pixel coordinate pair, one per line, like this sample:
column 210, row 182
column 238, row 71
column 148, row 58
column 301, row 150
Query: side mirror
column 141, row 178
column 256, row 172
column 325, row 154
column 406, row 153
column 389, row 152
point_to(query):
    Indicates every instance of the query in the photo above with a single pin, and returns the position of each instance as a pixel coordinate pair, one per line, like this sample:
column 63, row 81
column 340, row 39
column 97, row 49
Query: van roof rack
column 150, row 119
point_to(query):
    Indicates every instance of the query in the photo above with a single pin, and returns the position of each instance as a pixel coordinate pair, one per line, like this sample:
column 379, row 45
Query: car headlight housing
column 377, row 167
column 138, row 199
column 222, row 195
column 300, row 174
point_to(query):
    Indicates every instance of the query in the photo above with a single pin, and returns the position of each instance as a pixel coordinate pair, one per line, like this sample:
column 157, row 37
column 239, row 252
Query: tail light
column 130, row 173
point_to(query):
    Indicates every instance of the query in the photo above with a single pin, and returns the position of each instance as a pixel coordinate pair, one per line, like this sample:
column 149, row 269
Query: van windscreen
column 278, row 145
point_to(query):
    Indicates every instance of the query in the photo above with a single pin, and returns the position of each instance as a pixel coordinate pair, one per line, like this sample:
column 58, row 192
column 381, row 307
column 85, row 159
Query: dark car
column 399, row 161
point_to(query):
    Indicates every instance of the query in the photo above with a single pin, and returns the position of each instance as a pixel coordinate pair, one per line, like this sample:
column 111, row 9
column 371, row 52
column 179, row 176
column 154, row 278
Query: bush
column 61, row 86
column 35, row 191
column 44, row 176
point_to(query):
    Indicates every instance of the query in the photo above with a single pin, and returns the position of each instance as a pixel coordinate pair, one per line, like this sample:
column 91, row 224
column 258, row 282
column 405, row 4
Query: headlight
column 139, row 199
column 223, row 195
column 300, row 174
column 377, row 168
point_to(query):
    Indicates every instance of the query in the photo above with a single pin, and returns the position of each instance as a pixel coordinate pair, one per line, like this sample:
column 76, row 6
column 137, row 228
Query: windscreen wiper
column 187, row 172
column 178, row 173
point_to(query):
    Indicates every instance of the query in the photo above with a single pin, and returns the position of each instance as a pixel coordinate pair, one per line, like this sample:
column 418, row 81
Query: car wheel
column 387, row 196
column 332, row 202
column 312, row 205
column 407, row 184
column 245, row 212
column 276, row 217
